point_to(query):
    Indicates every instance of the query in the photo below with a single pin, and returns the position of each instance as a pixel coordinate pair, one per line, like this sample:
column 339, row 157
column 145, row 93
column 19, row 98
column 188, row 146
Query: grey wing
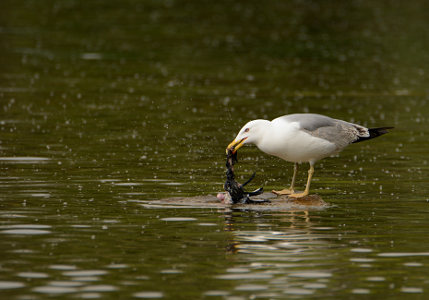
column 339, row 132
column 310, row 122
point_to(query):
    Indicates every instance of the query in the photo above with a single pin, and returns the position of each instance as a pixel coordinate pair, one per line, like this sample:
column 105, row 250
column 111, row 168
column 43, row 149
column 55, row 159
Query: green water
column 105, row 104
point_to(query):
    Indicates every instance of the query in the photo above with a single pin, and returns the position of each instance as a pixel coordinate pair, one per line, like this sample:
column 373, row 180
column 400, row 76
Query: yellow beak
column 234, row 145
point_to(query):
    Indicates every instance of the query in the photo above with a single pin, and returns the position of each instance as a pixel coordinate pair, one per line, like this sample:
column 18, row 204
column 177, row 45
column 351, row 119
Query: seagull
column 302, row 137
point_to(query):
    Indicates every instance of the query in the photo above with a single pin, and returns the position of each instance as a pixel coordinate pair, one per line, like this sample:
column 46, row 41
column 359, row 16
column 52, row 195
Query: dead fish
column 235, row 192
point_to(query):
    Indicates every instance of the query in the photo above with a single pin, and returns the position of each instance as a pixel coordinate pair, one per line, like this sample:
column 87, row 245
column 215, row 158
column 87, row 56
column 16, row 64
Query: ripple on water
column 32, row 275
column 62, row 267
column 324, row 228
column 109, row 180
column 25, row 229
column 89, row 295
column 65, row 283
column 360, row 291
column 172, row 183
column 24, row 159
column 148, row 295
column 376, row 278
column 362, row 259
column 10, row 285
column 134, row 194
column 12, row 216
column 413, row 264
column 256, row 247
column 40, row 195
column 361, row 250
column 207, row 224
column 314, row 286
column 117, row 266
column 171, row 271
column 216, row 293
column 111, row 221
column 298, row 291
column 91, row 56
column 178, row 219
column 288, row 245
column 411, row 290
column 47, row 289
column 310, row 274
column 84, row 273
column 238, row 270
column 251, row 287
column 31, row 226
column 85, row 278
column 127, row 183
column 99, row 288
column 240, row 276
column 23, row 251
column 402, row 254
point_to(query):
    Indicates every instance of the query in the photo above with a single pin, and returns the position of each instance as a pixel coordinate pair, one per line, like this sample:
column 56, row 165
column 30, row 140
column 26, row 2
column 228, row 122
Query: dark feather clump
column 235, row 189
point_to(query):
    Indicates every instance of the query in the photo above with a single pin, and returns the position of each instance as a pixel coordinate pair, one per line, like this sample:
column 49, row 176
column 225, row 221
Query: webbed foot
column 283, row 192
column 299, row 195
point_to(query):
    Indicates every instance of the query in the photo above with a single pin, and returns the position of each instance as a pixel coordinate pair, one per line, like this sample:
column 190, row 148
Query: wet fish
column 235, row 192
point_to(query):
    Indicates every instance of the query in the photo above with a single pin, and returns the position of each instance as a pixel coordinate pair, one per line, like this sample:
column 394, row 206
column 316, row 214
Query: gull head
column 251, row 133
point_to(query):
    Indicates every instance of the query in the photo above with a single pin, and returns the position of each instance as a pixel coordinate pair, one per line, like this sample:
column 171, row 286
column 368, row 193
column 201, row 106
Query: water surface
column 106, row 104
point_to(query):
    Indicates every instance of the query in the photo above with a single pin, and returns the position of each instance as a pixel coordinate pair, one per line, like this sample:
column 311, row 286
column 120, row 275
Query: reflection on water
column 286, row 260
column 24, row 160
column 278, row 254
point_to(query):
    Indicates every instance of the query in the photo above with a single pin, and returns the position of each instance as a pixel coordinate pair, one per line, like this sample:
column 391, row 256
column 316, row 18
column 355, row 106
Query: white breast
column 285, row 140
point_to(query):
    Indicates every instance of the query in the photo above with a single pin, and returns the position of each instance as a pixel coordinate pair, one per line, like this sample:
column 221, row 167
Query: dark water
column 104, row 104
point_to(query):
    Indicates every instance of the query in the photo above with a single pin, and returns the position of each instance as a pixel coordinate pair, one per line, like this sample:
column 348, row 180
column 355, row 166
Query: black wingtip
column 374, row 132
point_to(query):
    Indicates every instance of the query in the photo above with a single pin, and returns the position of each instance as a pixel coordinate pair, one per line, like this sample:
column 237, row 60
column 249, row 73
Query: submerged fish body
column 235, row 190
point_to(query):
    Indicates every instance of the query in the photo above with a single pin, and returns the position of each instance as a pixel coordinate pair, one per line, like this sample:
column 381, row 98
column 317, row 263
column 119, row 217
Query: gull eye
column 247, row 130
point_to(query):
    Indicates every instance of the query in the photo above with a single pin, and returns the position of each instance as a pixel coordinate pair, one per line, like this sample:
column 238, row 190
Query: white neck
column 264, row 129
